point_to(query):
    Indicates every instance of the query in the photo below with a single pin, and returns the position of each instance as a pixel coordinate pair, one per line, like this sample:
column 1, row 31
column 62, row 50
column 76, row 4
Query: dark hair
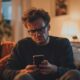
column 34, row 14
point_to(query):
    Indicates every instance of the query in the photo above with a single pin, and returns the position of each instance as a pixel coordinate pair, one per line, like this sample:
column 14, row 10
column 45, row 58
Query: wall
column 71, row 21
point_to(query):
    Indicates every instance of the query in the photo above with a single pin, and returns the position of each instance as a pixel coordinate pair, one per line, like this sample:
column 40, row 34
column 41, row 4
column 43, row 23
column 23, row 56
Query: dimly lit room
column 39, row 39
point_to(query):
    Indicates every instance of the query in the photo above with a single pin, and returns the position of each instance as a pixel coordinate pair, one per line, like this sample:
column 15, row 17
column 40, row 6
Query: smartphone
column 37, row 59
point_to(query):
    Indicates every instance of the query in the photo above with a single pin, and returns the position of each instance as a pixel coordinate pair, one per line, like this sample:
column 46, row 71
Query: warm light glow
column 69, row 29
column 75, row 15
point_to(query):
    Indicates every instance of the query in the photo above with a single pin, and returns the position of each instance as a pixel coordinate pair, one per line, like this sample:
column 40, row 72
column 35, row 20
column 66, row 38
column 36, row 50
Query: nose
column 37, row 34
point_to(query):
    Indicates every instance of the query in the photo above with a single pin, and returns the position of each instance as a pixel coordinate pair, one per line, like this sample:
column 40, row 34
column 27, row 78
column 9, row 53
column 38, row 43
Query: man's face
column 38, row 30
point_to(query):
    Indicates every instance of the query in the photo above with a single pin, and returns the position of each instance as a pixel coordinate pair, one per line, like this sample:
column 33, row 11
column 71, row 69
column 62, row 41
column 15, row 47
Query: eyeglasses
column 40, row 30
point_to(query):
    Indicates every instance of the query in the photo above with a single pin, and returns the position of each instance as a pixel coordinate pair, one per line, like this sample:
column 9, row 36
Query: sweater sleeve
column 67, row 56
column 13, row 64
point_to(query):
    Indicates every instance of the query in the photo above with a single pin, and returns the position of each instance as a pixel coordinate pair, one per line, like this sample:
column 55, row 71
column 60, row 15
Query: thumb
column 44, row 62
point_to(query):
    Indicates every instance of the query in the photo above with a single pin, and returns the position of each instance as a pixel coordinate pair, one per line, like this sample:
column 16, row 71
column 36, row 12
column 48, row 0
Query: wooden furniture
column 7, row 47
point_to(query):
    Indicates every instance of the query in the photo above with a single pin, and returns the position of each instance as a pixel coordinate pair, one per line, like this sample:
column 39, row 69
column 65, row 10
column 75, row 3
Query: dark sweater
column 58, row 51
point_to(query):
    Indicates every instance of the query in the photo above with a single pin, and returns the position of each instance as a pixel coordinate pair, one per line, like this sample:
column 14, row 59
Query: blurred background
column 62, row 25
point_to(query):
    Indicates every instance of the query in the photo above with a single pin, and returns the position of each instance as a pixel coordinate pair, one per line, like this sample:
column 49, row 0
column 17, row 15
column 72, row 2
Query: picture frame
column 61, row 7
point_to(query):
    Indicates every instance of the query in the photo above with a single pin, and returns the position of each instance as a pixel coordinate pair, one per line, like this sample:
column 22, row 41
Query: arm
column 67, row 60
column 17, row 62
column 14, row 64
column 64, row 58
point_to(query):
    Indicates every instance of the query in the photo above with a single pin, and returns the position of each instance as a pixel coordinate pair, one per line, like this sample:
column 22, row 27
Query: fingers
column 31, row 68
column 44, row 62
column 45, row 71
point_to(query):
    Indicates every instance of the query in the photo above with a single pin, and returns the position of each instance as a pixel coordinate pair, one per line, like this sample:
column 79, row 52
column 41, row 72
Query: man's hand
column 47, row 68
column 29, row 69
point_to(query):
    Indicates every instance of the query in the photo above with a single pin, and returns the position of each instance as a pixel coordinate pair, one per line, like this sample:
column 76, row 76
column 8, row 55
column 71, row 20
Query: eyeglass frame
column 32, row 32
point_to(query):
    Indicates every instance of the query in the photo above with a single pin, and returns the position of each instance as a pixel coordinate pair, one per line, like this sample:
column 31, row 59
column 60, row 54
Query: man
column 57, row 51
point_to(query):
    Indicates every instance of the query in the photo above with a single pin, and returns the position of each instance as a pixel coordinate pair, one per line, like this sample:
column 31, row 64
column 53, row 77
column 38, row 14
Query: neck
column 48, row 39
column 46, row 42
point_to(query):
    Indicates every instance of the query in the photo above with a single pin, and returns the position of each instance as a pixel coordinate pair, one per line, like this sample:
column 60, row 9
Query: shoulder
column 24, row 42
column 60, row 40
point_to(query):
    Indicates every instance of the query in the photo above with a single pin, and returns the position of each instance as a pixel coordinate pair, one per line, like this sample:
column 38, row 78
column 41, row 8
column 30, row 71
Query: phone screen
column 37, row 59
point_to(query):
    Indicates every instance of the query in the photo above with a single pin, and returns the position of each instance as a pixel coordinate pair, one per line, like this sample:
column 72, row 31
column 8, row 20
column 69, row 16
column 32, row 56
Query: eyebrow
column 36, row 29
column 43, row 27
